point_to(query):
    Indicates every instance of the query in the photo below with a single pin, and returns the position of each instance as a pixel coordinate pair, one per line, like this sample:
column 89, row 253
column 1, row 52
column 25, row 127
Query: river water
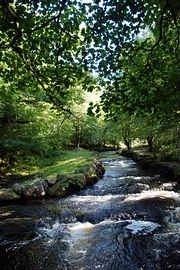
column 128, row 220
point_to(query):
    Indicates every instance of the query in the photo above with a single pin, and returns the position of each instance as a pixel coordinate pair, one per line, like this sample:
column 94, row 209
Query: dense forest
column 88, row 74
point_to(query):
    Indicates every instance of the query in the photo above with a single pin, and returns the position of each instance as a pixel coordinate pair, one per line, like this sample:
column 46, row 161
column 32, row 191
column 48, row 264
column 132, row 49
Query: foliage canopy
column 50, row 51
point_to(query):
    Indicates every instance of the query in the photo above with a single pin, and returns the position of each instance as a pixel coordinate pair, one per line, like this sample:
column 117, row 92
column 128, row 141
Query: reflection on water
column 128, row 220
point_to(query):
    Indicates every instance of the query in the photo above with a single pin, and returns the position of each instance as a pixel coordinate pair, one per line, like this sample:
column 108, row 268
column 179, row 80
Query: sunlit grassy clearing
column 71, row 162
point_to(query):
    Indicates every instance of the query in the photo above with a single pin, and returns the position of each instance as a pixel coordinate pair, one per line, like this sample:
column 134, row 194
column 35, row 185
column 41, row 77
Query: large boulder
column 76, row 181
column 67, row 184
column 7, row 194
column 35, row 189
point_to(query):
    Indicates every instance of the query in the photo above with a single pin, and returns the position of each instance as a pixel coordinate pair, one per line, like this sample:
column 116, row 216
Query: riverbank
column 147, row 161
column 75, row 171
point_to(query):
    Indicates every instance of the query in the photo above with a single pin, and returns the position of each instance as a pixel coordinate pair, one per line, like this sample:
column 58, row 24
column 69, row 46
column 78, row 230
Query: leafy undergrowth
column 66, row 162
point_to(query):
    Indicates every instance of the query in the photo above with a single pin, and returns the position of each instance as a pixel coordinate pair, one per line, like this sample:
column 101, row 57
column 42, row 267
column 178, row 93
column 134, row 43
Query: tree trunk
column 178, row 140
column 128, row 144
column 77, row 135
column 150, row 143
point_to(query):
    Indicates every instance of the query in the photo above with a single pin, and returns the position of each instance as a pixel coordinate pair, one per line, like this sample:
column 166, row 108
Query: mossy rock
column 81, row 170
column 7, row 194
column 91, row 178
column 58, row 190
column 61, row 177
column 73, row 183
column 91, row 171
column 76, row 181
column 35, row 189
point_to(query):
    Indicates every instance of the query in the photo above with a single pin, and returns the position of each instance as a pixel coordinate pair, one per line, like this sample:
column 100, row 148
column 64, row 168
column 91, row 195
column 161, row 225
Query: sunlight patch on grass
column 67, row 166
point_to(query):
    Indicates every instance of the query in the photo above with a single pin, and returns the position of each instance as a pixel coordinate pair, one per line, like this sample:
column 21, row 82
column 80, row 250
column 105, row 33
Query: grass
column 67, row 162
column 72, row 161
column 110, row 155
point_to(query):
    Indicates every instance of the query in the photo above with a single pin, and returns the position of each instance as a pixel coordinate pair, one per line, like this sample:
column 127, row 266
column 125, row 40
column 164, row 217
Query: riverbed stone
column 36, row 189
column 7, row 194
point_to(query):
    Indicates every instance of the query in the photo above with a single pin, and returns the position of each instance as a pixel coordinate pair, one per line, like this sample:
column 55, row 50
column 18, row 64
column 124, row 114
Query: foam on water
column 141, row 227
column 79, row 242
column 79, row 227
column 154, row 193
column 49, row 231
column 91, row 199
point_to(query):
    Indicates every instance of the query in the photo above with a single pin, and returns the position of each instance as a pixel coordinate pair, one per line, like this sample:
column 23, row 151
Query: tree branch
column 12, row 14
column 36, row 28
column 176, row 24
column 160, row 31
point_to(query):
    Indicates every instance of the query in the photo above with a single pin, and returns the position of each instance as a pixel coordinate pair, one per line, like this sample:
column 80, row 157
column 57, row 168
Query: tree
column 136, row 46
column 50, row 48
column 57, row 41
column 41, row 39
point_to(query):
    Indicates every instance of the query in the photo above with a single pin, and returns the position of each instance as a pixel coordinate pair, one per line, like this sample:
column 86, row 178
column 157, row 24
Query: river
column 128, row 220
